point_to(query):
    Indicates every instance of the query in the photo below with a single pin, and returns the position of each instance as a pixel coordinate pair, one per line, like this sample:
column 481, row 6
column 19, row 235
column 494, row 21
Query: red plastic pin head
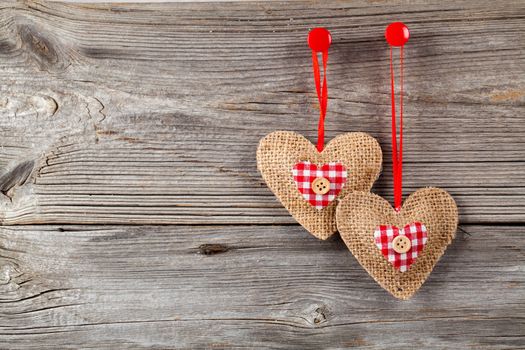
column 397, row 34
column 319, row 39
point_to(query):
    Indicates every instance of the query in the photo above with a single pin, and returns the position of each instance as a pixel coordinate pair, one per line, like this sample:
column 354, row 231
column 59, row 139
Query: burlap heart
column 361, row 214
column 280, row 151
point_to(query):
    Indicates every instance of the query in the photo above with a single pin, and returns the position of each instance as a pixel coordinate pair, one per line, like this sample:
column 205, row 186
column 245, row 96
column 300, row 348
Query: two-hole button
column 321, row 185
column 401, row 244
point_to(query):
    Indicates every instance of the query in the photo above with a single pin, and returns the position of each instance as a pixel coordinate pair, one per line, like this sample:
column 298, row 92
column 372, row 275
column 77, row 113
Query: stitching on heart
column 304, row 173
column 384, row 235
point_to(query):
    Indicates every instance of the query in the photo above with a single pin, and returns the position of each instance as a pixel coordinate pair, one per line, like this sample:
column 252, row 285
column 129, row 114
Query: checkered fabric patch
column 384, row 235
column 304, row 173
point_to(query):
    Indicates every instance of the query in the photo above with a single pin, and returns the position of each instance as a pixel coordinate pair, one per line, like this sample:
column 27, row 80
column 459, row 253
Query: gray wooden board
column 133, row 114
column 152, row 113
column 248, row 287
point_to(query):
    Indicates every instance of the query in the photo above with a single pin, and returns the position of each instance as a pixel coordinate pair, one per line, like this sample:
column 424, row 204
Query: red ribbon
column 322, row 95
column 397, row 154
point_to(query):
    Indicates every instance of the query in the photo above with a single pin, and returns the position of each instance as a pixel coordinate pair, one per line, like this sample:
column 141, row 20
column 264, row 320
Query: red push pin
column 397, row 34
column 319, row 39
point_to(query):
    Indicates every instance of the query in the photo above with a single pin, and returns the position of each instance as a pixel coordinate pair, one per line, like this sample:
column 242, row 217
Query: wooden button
column 321, row 185
column 401, row 244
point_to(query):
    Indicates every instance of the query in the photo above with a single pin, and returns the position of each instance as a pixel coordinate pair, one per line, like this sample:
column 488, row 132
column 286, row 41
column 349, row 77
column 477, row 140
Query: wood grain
column 133, row 114
column 225, row 287
column 152, row 114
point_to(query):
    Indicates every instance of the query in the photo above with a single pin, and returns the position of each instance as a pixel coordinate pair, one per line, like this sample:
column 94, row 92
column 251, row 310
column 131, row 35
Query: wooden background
column 133, row 214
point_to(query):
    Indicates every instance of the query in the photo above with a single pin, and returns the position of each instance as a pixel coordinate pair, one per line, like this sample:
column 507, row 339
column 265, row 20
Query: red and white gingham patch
column 385, row 234
column 304, row 173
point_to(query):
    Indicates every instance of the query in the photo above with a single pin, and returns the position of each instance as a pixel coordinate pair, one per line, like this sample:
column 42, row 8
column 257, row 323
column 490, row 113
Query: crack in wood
column 213, row 249
column 15, row 177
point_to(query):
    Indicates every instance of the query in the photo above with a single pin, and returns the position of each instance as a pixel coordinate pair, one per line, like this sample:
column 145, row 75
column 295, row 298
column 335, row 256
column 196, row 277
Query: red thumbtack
column 397, row 34
column 319, row 39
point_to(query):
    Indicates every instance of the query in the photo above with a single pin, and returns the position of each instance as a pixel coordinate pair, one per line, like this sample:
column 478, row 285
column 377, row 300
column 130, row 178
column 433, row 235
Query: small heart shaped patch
column 319, row 185
column 401, row 246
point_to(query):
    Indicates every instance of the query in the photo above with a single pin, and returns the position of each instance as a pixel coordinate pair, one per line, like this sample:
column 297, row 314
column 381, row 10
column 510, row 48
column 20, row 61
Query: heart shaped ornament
column 398, row 249
column 308, row 183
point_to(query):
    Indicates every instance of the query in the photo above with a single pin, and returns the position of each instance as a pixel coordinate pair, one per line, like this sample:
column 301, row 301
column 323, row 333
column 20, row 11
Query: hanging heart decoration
column 369, row 226
column 398, row 246
column 308, row 180
column 291, row 166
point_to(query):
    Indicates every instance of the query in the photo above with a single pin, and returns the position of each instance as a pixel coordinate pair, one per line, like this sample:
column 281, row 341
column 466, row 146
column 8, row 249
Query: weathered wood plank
column 190, row 287
column 127, row 113
column 151, row 114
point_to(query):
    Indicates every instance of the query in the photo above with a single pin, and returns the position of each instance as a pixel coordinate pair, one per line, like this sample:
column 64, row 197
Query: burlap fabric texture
column 360, row 213
column 279, row 151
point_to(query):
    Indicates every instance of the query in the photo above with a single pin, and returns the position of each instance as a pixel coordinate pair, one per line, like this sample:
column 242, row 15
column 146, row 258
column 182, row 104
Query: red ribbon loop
column 322, row 95
column 397, row 153
column 319, row 40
